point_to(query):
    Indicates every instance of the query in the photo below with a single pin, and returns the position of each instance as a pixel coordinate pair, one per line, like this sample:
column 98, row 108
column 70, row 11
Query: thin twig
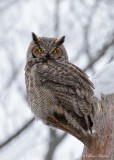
column 25, row 126
column 100, row 54
column 54, row 141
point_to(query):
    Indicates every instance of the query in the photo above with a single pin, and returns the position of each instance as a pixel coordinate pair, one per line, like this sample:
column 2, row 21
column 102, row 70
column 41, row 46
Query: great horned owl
column 59, row 93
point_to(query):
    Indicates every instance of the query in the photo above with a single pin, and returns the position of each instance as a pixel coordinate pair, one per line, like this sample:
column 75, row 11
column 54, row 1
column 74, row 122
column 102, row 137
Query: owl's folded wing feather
column 69, row 84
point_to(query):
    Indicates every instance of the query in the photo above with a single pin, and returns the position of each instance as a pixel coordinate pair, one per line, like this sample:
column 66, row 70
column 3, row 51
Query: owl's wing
column 69, row 84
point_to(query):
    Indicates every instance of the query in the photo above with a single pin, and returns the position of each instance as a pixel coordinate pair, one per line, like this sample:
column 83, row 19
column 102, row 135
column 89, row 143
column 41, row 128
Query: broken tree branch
column 102, row 147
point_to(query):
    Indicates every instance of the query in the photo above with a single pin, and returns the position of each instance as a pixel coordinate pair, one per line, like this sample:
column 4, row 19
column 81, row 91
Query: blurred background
column 89, row 29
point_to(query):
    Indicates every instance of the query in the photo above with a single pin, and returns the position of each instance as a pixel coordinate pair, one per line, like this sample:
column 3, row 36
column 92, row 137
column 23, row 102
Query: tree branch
column 100, row 54
column 25, row 126
column 54, row 141
column 102, row 146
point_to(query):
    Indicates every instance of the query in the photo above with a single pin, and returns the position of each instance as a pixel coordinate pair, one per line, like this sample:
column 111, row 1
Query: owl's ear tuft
column 60, row 41
column 34, row 37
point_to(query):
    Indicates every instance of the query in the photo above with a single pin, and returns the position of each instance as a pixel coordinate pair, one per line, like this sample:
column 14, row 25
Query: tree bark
column 102, row 144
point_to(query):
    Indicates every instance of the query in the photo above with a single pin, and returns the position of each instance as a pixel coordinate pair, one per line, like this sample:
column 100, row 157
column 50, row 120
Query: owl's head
column 44, row 49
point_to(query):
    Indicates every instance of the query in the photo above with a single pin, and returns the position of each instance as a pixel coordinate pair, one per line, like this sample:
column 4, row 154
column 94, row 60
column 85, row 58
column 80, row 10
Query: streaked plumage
column 59, row 93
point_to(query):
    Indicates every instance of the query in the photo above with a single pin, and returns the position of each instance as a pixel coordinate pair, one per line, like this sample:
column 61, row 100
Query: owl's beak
column 48, row 56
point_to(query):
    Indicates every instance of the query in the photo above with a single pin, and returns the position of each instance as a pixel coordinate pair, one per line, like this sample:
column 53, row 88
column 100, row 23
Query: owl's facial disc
column 47, row 48
column 37, row 52
column 57, row 53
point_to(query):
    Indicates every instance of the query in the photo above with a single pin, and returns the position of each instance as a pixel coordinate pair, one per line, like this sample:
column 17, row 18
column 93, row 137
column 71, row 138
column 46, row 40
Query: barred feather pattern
column 60, row 84
column 59, row 90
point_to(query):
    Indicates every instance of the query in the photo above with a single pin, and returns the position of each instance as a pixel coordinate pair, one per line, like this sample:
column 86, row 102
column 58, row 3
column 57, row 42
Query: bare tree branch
column 17, row 133
column 56, row 24
column 100, row 54
column 86, row 32
column 54, row 141
column 102, row 146
column 8, row 4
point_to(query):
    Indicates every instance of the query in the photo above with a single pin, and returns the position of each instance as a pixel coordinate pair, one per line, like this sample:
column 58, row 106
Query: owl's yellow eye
column 36, row 51
column 54, row 51
column 57, row 52
column 41, row 50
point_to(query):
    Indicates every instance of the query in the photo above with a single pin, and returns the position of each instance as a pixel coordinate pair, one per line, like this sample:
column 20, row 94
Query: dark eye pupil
column 41, row 50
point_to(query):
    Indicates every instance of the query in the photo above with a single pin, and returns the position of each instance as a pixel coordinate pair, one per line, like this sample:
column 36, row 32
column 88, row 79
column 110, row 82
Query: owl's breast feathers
column 72, row 90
